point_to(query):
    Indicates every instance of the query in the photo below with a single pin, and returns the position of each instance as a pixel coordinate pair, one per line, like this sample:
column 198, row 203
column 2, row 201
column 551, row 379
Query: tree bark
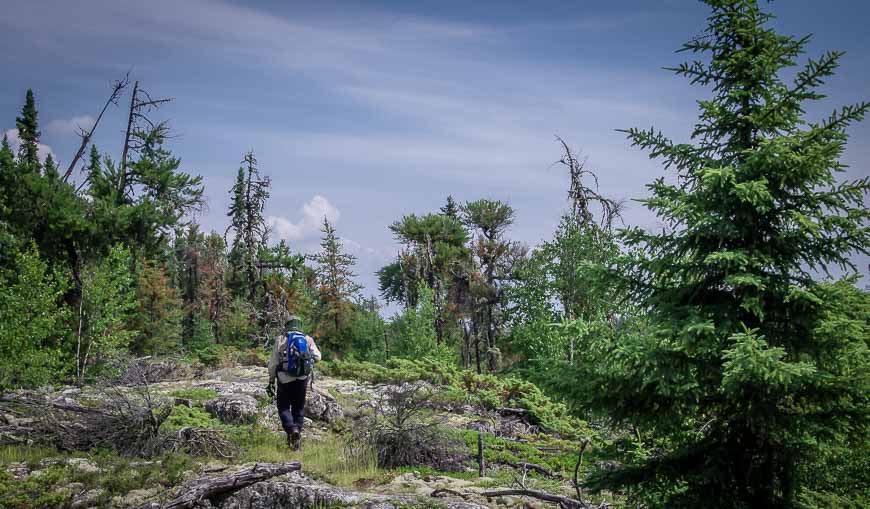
column 208, row 487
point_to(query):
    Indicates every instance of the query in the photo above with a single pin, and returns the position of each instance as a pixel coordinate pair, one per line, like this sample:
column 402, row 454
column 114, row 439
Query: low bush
column 197, row 394
column 485, row 390
column 402, row 434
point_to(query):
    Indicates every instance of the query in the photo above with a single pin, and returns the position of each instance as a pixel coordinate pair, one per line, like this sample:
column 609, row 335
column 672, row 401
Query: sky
column 363, row 112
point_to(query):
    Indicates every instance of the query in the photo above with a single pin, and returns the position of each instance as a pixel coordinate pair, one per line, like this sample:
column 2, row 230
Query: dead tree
column 582, row 196
column 86, row 136
column 207, row 488
column 139, row 128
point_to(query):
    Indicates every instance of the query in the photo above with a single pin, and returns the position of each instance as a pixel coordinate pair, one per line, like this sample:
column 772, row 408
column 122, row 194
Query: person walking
column 291, row 364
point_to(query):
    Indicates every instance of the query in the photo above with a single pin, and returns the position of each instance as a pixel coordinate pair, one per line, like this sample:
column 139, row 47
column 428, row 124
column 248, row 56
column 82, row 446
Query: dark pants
column 291, row 404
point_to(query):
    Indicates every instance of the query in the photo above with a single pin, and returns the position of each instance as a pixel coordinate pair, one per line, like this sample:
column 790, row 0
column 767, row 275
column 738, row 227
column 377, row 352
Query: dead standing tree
column 582, row 196
column 140, row 128
column 86, row 136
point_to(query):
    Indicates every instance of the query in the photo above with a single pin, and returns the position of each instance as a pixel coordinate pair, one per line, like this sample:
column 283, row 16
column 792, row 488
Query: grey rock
column 235, row 409
column 86, row 499
column 320, row 405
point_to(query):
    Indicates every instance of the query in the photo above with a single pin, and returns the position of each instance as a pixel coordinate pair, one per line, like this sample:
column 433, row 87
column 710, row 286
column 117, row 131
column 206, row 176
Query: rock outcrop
column 233, row 409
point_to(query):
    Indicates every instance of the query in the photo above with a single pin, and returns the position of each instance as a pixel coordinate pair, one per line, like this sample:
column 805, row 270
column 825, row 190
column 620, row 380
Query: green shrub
column 485, row 390
column 195, row 393
column 184, row 417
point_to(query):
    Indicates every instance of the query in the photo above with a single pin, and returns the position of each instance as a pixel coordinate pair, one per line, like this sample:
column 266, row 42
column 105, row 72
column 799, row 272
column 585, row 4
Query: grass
column 28, row 454
column 329, row 459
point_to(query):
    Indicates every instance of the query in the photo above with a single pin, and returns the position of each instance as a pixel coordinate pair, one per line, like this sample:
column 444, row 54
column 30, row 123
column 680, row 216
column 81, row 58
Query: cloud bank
column 309, row 225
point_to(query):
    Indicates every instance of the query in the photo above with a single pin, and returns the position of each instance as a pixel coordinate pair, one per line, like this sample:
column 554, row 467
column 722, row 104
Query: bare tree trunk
column 386, row 346
column 119, row 87
column 122, row 181
column 79, row 366
column 477, row 347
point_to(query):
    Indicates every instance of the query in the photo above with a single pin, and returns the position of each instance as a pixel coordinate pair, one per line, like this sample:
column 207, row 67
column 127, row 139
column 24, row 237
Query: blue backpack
column 299, row 360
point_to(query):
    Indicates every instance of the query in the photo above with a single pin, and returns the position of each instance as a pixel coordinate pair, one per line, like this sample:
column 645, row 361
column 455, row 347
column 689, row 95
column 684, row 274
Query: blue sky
column 366, row 111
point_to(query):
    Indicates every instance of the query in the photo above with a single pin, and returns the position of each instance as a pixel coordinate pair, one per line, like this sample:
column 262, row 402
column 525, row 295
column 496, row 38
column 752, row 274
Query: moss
column 117, row 475
column 198, row 394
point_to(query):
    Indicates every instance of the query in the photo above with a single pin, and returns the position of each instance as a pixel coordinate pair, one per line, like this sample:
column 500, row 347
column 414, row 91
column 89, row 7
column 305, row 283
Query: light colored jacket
column 275, row 360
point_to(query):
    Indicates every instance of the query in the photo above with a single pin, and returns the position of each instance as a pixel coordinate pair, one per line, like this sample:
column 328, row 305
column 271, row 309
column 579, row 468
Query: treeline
column 724, row 370
column 115, row 266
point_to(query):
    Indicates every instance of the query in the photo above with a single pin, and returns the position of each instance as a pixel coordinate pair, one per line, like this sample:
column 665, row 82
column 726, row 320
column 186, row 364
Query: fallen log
column 540, row 495
column 513, row 411
column 207, row 487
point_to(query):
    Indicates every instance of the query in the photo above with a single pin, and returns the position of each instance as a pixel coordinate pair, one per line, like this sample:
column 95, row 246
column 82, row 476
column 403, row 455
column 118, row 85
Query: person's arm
column 312, row 346
column 274, row 360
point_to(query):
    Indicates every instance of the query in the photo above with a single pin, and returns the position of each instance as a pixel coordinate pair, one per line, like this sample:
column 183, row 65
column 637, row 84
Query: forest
column 721, row 361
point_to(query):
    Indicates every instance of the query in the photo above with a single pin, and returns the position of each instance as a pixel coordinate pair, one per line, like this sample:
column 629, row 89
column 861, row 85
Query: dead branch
column 117, row 90
column 534, row 467
column 581, row 195
column 201, row 442
column 135, row 136
column 206, row 488
column 540, row 495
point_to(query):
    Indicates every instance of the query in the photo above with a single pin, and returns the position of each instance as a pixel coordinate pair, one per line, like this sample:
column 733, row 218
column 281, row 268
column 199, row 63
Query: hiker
column 291, row 363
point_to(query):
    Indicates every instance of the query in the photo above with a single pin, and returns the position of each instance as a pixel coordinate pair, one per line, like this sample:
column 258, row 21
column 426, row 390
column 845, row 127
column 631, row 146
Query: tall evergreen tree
column 495, row 256
column 249, row 195
column 751, row 369
column 7, row 176
column 28, row 133
column 337, row 289
column 435, row 246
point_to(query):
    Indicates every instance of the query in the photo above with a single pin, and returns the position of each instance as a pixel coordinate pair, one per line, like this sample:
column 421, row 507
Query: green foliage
column 188, row 417
column 366, row 332
column 336, row 288
column 740, row 377
column 237, row 326
column 28, row 132
column 107, row 301
column 487, row 391
column 248, row 199
column 158, row 314
column 33, row 323
column 414, row 329
column 197, row 394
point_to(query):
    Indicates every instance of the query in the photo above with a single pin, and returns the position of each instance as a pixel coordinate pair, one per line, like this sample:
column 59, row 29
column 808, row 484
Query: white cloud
column 15, row 143
column 72, row 126
column 309, row 224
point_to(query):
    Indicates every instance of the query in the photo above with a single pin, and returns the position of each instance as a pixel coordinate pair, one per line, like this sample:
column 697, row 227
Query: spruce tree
column 28, row 132
column 7, row 176
column 335, row 280
column 750, row 370
column 248, row 200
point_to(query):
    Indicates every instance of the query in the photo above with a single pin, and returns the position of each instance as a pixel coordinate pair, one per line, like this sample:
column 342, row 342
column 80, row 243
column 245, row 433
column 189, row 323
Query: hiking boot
column 295, row 439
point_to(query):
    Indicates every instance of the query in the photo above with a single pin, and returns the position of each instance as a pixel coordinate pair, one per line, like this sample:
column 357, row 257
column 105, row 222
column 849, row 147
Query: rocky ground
column 235, row 397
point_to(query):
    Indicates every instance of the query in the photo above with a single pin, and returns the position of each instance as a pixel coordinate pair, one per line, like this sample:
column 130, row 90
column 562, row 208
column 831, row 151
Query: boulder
column 321, row 406
column 234, row 409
